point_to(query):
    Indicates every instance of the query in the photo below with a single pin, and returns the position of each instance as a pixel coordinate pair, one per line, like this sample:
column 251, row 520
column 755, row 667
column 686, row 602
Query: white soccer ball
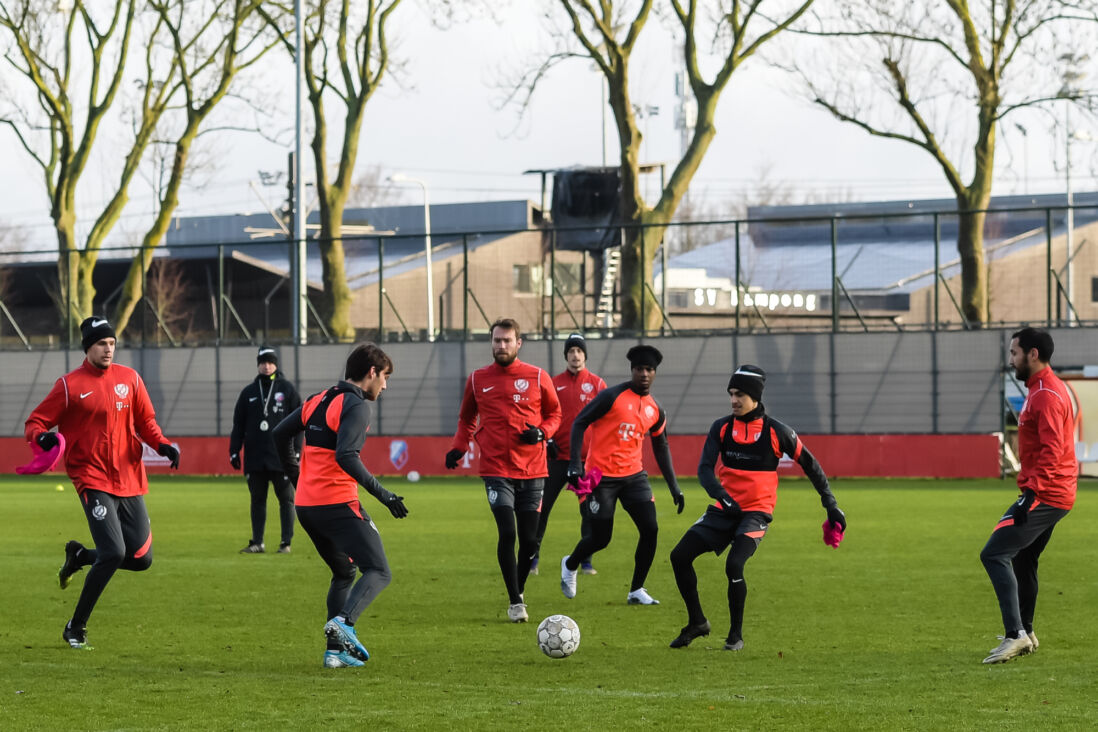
column 558, row 636
column 413, row 476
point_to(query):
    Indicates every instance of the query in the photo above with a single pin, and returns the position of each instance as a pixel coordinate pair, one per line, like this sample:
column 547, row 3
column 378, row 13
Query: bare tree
column 607, row 32
column 212, row 41
column 910, row 71
column 71, row 64
column 371, row 189
column 166, row 292
column 346, row 56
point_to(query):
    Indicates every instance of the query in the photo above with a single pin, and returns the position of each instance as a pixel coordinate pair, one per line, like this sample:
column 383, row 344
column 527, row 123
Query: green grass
column 885, row 633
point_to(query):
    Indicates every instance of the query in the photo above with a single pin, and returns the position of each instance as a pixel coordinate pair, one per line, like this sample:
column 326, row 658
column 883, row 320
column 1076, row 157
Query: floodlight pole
column 300, row 303
column 401, row 178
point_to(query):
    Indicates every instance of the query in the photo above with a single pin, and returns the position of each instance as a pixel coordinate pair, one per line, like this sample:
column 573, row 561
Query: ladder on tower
column 604, row 312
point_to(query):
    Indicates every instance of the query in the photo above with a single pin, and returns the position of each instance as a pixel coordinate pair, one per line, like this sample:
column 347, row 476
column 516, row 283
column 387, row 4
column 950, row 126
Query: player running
column 513, row 409
column 576, row 386
column 102, row 409
column 619, row 418
column 335, row 423
column 739, row 468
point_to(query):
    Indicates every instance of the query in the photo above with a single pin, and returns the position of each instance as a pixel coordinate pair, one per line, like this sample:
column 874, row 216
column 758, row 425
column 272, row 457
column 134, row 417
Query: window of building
column 1094, row 289
column 526, row 278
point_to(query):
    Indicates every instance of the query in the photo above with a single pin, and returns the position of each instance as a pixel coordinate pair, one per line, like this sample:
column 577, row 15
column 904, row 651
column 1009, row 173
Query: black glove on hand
column 552, row 450
column 234, row 460
column 1020, row 510
column 293, row 472
column 728, row 503
column 452, row 458
column 531, row 435
column 396, row 507
column 679, row 499
column 835, row 516
column 47, row 440
column 169, row 451
column 573, row 475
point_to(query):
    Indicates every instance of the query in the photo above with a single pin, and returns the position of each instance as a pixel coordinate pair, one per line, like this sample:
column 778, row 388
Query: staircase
column 604, row 312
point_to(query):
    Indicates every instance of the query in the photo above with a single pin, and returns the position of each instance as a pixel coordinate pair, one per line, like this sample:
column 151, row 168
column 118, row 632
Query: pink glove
column 832, row 534
column 43, row 460
column 587, row 483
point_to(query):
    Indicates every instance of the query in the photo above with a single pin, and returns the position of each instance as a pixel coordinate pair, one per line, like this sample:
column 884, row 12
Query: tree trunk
column 970, row 247
column 336, row 309
column 640, row 310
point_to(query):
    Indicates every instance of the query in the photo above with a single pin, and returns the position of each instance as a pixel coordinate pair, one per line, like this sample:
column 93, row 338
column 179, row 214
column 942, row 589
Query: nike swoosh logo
column 253, row 399
column 488, row 388
column 561, row 388
column 86, row 394
column 737, row 580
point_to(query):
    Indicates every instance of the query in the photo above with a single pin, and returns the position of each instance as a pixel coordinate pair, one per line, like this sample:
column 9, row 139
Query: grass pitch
column 886, row 632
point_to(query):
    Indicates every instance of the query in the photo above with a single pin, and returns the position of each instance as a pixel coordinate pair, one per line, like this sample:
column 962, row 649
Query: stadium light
column 401, row 178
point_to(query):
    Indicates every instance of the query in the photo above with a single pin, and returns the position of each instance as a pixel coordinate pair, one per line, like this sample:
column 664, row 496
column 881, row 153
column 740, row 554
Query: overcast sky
column 444, row 126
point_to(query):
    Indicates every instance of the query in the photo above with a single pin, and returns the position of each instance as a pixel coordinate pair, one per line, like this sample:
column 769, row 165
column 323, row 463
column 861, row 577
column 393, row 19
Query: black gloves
column 1020, row 510
column 168, row 450
column 552, row 450
column 293, row 472
column 679, row 499
column 452, row 458
column 531, row 435
column 396, row 507
column 234, row 460
column 835, row 516
column 47, row 440
column 573, row 475
column 728, row 503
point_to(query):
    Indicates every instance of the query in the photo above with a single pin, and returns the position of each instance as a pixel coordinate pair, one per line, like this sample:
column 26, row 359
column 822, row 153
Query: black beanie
column 575, row 341
column 93, row 330
column 748, row 379
column 644, row 355
column 266, row 353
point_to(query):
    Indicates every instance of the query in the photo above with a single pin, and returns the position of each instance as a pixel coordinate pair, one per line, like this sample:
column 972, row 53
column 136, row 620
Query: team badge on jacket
column 521, row 385
column 121, row 390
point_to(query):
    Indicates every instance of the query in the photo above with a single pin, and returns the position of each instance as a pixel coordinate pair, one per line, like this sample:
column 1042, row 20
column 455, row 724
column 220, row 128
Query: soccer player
column 261, row 406
column 576, row 386
column 738, row 467
column 335, row 423
column 512, row 408
column 619, row 418
column 1047, row 480
column 102, row 409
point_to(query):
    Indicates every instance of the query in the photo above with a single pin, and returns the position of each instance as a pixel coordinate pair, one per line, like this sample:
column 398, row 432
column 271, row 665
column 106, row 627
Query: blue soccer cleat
column 340, row 659
column 343, row 634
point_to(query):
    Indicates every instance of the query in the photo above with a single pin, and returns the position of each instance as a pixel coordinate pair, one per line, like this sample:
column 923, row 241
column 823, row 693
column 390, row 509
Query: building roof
column 880, row 246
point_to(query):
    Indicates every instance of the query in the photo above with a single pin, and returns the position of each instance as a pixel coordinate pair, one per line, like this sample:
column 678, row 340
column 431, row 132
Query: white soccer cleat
column 1009, row 648
column 517, row 613
column 641, row 597
column 567, row 579
column 1033, row 640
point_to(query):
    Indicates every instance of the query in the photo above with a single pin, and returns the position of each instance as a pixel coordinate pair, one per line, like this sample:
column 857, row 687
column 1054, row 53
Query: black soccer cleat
column 689, row 633
column 72, row 565
column 77, row 638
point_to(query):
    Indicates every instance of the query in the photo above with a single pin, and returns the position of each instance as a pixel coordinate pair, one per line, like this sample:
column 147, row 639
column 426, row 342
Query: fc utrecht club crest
column 493, row 495
column 594, row 506
column 649, row 411
column 521, row 385
column 588, row 387
column 398, row 453
column 121, row 390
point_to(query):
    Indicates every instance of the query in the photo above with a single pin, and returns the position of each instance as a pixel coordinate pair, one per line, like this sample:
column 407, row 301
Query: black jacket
column 280, row 398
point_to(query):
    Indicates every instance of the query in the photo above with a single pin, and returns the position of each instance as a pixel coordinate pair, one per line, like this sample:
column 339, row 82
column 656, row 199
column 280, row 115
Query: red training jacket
column 506, row 399
column 1046, row 441
column 574, row 391
column 103, row 414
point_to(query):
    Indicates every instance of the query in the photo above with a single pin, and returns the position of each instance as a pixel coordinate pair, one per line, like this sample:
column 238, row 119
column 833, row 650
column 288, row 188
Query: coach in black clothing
column 262, row 405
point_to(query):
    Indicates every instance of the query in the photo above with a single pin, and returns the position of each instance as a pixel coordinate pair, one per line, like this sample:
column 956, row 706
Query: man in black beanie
column 620, row 417
column 263, row 404
column 739, row 469
column 99, row 408
column 576, row 386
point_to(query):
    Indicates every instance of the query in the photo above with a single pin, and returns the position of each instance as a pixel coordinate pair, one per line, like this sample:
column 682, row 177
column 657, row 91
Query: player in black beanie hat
column 750, row 380
column 575, row 341
column 93, row 330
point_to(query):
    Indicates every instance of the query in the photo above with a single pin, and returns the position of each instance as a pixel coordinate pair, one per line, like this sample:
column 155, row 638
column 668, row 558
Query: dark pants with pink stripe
column 1010, row 558
column 123, row 540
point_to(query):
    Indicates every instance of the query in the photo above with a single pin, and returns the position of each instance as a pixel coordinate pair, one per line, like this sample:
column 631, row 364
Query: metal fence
column 872, row 272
